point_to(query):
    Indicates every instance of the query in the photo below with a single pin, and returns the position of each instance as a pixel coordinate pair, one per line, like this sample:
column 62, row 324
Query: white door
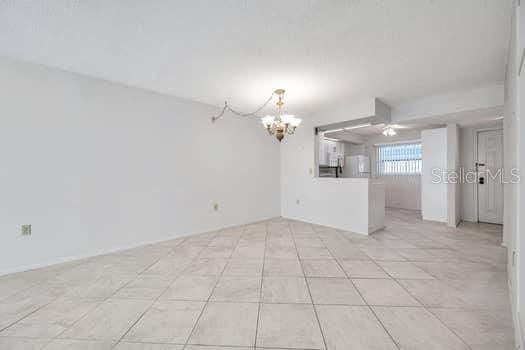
column 490, row 176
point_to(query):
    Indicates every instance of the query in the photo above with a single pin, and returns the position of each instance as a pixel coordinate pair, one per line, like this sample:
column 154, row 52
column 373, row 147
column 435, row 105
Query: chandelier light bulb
column 295, row 122
column 268, row 121
column 287, row 118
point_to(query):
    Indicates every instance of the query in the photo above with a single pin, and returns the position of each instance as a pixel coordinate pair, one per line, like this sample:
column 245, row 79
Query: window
column 399, row 159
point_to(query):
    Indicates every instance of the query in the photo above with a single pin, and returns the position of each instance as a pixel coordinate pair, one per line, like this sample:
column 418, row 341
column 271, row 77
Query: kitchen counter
column 351, row 204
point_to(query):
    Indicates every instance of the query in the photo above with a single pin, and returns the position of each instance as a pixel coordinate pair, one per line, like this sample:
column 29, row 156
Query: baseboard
column 321, row 224
column 518, row 335
column 516, row 320
column 71, row 258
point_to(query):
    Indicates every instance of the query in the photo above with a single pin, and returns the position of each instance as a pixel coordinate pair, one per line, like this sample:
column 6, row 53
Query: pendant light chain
column 278, row 126
column 240, row 114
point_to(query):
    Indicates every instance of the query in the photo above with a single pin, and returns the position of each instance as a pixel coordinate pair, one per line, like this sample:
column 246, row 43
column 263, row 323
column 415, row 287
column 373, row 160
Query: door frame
column 476, row 143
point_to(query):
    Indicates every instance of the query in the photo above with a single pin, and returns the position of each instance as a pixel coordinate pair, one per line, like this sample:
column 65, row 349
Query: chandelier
column 279, row 126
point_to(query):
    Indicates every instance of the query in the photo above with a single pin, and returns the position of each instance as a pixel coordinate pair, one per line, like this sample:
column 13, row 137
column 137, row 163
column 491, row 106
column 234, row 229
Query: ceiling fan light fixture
column 389, row 131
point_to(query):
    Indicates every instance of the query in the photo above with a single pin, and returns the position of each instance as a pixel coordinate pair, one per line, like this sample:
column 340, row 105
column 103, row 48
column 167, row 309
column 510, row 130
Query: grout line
column 261, row 288
column 102, row 300
column 154, row 300
column 364, row 300
column 308, row 288
column 213, row 289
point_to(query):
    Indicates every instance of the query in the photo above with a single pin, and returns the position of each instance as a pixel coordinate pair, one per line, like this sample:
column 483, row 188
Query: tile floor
column 277, row 284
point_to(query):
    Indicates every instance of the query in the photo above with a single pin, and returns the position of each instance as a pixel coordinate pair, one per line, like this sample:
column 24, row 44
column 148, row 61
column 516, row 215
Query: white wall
column 96, row 166
column 519, row 260
column 402, row 192
column 433, row 195
column 513, row 142
column 477, row 99
column 453, row 187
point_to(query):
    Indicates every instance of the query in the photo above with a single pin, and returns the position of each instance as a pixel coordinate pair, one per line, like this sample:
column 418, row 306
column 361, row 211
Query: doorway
column 489, row 167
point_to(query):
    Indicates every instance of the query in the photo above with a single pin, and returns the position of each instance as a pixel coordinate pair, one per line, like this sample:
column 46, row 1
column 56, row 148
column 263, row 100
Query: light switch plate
column 26, row 230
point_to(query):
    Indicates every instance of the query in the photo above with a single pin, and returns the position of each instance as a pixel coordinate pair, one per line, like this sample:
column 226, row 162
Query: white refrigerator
column 356, row 166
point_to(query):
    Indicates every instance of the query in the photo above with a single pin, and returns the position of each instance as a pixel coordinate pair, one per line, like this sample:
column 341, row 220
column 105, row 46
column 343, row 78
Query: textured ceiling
column 320, row 51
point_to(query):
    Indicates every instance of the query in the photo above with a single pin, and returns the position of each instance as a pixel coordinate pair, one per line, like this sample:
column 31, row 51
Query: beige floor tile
column 460, row 271
column 33, row 330
column 244, row 267
column 69, row 344
column 363, row 269
column 168, row 267
column 166, row 322
column 462, row 294
column 384, row 292
column 228, row 324
column 216, row 252
column 144, row 287
column 416, row 329
column 347, row 251
column 352, row 327
column 17, row 306
column 188, row 287
column 405, row 270
column 334, row 291
column 433, row 293
column 382, row 254
column 309, row 242
column 108, row 321
column 289, row 326
column 281, row 253
column 224, row 241
column 254, row 250
column 417, row 254
column 492, row 329
column 211, row 266
column 201, row 347
column 237, row 289
column 283, row 267
column 9, row 343
column 314, row 253
column 62, row 312
column 322, row 268
column 147, row 346
column 285, row 290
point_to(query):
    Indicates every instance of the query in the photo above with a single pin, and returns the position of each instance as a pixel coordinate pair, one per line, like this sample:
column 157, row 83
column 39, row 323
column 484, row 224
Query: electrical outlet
column 26, row 230
column 216, row 206
column 297, row 201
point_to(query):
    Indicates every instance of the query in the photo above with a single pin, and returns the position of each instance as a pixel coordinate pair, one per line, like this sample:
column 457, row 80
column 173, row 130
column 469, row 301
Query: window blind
column 398, row 159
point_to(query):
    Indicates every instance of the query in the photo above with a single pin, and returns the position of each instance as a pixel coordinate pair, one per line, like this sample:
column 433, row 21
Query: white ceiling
column 320, row 51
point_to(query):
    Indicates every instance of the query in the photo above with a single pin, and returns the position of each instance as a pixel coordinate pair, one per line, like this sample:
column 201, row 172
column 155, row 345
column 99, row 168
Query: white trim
column 397, row 142
column 519, row 341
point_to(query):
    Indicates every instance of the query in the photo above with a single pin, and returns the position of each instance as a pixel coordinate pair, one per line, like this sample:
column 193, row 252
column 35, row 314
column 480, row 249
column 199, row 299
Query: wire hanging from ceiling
column 240, row 114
